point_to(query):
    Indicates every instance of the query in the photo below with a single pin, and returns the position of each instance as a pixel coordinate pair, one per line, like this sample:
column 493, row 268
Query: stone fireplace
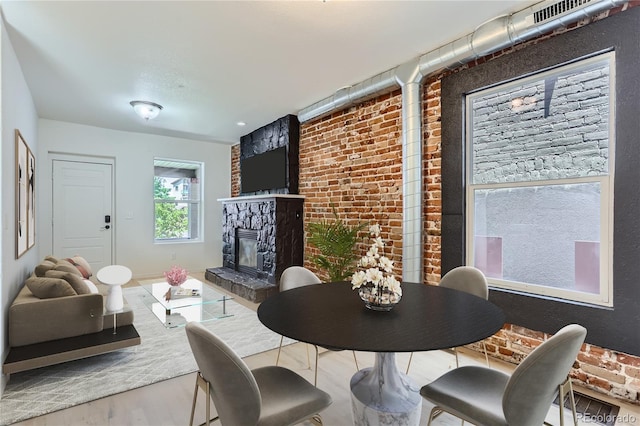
column 262, row 235
column 262, row 230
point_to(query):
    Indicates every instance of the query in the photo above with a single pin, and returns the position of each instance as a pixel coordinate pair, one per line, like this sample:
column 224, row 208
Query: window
column 540, row 182
column 177, row 197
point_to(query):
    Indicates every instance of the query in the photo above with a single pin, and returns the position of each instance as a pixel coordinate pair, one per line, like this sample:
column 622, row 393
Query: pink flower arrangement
column 176, row 275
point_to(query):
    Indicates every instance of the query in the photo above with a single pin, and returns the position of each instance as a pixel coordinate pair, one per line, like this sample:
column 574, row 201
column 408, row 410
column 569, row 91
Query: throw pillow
column 74, row 280
column 66, row 266
column 82, row 265
column 47, row 288
column 92, row 287
column 43, row 267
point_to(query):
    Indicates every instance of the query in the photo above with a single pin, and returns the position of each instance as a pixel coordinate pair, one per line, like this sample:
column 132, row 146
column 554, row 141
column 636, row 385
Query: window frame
column 198, row 203
column 605, row 180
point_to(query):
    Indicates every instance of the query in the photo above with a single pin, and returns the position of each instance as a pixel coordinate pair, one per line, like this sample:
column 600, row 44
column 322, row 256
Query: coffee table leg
column 383, row 396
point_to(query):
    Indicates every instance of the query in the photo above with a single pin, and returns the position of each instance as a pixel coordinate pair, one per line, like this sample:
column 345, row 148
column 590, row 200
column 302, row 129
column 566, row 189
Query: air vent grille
column 556, row 9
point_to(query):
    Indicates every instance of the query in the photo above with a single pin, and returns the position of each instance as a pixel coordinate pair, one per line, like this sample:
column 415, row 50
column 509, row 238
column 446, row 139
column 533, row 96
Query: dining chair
column 295, row 277
column 266, row 396
column 486, row 396
column 470, row 280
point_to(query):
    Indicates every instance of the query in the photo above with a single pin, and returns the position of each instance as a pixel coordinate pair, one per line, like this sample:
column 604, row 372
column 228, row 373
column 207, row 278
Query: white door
column 82, row 211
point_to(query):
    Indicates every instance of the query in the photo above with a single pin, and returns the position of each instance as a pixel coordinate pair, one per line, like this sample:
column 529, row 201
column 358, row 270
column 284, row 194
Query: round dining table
column 427, row 318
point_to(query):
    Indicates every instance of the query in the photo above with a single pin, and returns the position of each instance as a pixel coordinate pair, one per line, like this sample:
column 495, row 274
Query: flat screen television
column 264, row 171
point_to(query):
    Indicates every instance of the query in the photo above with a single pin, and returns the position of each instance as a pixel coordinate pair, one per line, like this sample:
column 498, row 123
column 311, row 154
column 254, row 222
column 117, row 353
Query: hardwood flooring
column 169, row 402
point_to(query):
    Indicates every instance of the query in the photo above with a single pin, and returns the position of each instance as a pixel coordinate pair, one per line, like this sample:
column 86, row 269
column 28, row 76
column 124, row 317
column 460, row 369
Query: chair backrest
column 468, row 279
column 297, row 276
column 234, row 390
column 534, row 383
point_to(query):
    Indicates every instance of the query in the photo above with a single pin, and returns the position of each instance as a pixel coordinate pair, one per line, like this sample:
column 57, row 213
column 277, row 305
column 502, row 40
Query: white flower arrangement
column 377, row 268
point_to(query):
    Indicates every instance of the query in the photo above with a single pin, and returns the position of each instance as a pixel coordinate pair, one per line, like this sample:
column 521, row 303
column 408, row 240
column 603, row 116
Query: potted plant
column 335, row 241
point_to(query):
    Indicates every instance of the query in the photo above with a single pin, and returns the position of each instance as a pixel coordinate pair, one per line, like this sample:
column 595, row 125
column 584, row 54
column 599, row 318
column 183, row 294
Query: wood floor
column 169, row 402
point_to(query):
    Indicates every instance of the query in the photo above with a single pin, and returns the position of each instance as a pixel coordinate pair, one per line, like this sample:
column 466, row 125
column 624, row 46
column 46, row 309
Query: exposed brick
column 629, row 360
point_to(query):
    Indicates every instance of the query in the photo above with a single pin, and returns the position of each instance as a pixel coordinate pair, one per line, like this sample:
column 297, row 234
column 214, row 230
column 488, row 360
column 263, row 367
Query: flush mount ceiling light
column 145, row 109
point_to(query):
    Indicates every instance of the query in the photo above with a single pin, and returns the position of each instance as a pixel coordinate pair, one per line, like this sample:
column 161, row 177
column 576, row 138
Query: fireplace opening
column 247, row 251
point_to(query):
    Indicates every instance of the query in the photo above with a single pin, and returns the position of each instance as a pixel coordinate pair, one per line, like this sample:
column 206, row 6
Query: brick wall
column 353, row 160
column 235, row 170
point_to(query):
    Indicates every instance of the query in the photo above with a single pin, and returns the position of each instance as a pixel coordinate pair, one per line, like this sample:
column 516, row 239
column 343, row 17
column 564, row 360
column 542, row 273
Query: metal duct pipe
column 492, row 36
column 410, row 80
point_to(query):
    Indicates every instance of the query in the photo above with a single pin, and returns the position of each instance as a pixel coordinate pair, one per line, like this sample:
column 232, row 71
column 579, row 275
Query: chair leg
column 202, row 383
column 563, row 389
column 409, row 363
column 486, row 355
column 195, row 398
column 455, row 351
column 356, row 360
column 279, row 349
column 308, row 359
column 435, row 411
column 315, row 377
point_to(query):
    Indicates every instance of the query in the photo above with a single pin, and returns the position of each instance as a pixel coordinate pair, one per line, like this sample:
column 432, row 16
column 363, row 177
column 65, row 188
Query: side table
column 114, row 276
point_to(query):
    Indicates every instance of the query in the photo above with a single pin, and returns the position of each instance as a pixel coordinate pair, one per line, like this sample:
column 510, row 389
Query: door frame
column 79, row 158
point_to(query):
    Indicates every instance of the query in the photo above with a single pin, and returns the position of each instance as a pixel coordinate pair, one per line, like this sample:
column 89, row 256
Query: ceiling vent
column 557, row 9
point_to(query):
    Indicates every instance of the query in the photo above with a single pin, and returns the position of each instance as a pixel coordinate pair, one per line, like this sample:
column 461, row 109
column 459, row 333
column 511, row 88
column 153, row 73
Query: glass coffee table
column 192, row 301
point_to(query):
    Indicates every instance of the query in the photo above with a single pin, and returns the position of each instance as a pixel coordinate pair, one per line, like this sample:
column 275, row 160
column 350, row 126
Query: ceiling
column 212, row 64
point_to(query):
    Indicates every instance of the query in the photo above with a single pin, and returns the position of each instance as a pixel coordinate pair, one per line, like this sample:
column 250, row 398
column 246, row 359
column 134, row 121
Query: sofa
column 58, row 315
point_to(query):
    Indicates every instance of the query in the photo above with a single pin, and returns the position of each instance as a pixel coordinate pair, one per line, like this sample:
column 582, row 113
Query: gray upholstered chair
column 295, row 277
column 266, row 396
column 485, row 396
column 470, row 280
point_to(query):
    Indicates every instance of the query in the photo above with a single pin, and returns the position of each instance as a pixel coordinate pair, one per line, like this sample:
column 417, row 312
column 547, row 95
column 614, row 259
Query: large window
column 177, row 194
column 540, row 182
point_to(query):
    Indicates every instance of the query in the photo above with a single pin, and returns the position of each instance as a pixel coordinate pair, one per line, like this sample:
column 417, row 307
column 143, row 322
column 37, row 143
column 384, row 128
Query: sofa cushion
column 47, row 288
column 82, row 265
column 66, row 266
column 43, row 267
column 77, row 282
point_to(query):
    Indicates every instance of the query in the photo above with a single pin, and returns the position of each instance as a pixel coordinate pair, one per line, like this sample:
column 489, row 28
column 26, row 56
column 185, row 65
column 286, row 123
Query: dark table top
column 427, row 318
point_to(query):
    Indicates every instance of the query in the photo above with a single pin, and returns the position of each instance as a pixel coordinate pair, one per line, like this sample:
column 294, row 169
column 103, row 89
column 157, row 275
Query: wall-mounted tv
column 264, row 171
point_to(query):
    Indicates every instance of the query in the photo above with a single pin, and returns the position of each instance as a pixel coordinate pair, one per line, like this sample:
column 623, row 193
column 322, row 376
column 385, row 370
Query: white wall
column 18, row 112
column 133, row 154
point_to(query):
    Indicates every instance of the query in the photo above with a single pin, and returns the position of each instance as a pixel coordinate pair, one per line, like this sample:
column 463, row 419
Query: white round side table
column 114, row 276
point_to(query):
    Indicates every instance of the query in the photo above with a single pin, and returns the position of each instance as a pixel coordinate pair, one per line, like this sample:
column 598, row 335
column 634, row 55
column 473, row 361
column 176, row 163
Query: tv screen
column 264, row 171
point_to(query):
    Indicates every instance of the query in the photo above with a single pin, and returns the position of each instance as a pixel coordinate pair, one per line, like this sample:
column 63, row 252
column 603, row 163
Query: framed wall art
column 31, row 199
column 25, row 196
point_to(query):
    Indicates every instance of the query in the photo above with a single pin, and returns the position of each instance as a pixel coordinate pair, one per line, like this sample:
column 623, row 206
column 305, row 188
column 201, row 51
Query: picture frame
column 31, row 199
column 25, row 196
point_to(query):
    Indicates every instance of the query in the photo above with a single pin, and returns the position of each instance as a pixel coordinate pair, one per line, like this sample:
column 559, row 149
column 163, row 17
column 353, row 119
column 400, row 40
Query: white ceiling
column 214, row 63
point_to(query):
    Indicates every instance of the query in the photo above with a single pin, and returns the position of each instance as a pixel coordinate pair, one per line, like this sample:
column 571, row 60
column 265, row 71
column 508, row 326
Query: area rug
column 163, row 354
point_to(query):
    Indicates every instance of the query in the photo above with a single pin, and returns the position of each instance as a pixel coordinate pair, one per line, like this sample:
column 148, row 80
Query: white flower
column 374, row 275
column 378, row 242
column 358, row 279
column 386, row 264
column 393, row 285
column 373, row 252
column 374, row 230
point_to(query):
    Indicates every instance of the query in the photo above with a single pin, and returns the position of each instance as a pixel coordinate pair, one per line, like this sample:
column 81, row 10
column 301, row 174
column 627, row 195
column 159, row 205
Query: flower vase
column 378, row 298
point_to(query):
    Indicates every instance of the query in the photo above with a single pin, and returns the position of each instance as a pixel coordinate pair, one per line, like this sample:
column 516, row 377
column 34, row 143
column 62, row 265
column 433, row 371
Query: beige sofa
column 58, row 316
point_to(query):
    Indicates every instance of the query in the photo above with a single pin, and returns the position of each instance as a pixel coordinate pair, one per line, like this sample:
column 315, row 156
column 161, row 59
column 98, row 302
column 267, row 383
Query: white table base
column 383, row 396
column 115, row 301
